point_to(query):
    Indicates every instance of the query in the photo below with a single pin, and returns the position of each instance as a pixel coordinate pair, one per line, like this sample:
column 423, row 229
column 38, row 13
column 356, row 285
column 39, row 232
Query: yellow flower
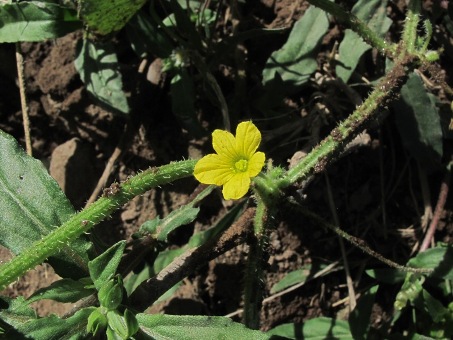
column 235, row 163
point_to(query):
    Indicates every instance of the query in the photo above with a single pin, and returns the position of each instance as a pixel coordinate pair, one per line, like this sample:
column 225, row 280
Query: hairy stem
column 113, row 198
column 325, row 152
column 357, row 25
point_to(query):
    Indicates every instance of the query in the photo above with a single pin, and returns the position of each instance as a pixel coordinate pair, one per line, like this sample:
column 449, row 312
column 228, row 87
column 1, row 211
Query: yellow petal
column 248, row 138
column 213, row 169
column 255, row 164
column 236, row 187
column 224, row 144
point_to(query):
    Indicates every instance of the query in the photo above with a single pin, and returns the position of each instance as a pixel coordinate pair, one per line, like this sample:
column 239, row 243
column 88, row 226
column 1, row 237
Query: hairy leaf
column 159, row 326
column 32, row 206
column 65, row 290
column 294, row 63
column 105, row 265
column 103, row 17
column 97, row 65
column 35, row 21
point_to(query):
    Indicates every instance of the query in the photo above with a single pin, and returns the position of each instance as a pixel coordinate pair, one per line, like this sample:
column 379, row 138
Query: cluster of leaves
column 35, row 204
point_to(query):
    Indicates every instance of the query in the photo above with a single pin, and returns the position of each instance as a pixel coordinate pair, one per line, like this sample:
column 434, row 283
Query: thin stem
column 359, row 243
column 349, row 281
column 438, row 211
column 113, row 199
column 23, row 99
column 357, row 25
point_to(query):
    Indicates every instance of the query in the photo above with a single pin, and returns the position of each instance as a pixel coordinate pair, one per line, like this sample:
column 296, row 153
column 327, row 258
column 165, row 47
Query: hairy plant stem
column 113, row 198
column 410, row 26
column 257, row 255
column 325, row 152
column 357, row 25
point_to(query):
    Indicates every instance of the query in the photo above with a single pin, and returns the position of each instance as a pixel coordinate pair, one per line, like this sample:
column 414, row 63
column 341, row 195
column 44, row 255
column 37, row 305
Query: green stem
column 253, row 285
column 357, row 25
column 113, row 198
column 317, row 160
column 410, row 26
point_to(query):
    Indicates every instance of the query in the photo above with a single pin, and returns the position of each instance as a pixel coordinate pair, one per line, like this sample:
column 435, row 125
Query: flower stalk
column 113, row 198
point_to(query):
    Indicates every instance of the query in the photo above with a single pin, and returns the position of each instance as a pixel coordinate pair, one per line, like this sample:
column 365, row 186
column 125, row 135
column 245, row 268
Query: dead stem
column 23, row 99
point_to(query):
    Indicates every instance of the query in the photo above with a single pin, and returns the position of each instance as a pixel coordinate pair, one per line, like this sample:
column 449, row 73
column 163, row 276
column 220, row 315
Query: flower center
column 241, row 165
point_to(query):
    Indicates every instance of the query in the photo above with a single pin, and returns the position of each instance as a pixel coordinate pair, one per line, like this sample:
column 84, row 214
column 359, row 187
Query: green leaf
column 65, row 290
column 352, row 47
column 103, row 17
column 54, row 328
column 179, row 217
column 359, row 319
column 292, row 278
column 159, row 326
column 418, row 122
column 183, row 103
column 103, row 267
column 25, row 323
column 35, row 21
column 296, row 60
column 440, row 259
column 146, row 38
column 33, row 205
column 315, row 329
column 434, row 307
column 387, row 275
column 97, row 65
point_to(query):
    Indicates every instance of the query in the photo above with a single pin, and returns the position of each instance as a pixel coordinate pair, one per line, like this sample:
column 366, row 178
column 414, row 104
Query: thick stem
column 113, row 198
column 253, row 285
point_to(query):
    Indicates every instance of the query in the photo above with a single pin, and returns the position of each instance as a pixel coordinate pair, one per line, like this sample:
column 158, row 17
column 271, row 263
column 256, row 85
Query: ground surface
column 75, row 137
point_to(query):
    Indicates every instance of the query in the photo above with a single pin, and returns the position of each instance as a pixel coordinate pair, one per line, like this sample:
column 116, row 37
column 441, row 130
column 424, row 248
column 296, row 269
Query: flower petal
column 255, row 164
column 213, row 169
column 248, row 138
column 224, row 144
column 237, row 186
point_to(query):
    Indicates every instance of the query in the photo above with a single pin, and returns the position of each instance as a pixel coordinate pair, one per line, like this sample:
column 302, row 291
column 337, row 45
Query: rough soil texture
column 75, row 137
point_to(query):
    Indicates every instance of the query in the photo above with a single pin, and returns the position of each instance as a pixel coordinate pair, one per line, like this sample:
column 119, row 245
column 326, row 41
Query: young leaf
column 352, row 47
column 35, row 21
column 103, row 17
column 314, row 329
column 33, row 205
column 65, row 290
column 182, row 216
column 292, row 278
column 160, row 326
column 104, row 266
column 418, row 122
column 97, row 65
column 295, row 61
column 387, row 275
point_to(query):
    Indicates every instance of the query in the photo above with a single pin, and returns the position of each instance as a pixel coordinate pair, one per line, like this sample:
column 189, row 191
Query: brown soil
column 75, row 138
